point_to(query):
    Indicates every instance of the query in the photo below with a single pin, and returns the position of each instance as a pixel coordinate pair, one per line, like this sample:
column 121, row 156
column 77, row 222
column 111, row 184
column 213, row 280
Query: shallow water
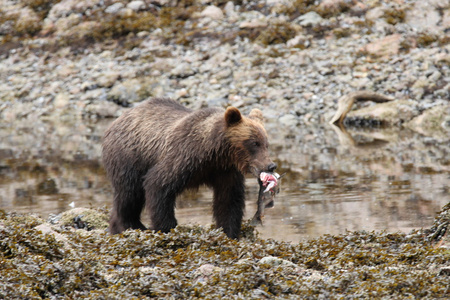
column 336, row 180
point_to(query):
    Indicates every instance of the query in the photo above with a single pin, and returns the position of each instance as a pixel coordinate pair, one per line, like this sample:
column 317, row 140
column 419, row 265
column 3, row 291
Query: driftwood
column 346, row 102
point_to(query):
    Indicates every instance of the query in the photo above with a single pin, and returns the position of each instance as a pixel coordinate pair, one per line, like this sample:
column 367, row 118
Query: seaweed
column 276, row 33
column 200, row 261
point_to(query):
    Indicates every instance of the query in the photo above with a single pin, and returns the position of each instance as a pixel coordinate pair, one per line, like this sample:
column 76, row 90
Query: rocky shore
column 71, row 256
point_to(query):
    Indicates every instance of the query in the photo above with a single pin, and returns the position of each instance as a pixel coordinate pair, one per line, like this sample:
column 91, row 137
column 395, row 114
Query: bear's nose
column 271, row 167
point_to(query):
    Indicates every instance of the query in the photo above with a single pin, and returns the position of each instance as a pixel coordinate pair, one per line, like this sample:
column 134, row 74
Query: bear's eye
column 256, row 144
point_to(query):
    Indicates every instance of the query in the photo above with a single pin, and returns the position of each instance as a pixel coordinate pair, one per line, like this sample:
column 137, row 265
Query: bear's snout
column 271, row 167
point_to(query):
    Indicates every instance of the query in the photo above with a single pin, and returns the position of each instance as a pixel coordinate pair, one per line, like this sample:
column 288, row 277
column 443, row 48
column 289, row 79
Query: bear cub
column 156, row 150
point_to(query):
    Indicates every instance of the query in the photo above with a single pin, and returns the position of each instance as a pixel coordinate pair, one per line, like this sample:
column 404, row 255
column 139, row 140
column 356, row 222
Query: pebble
column 309, row 19
column 212, row 12
column 136, row 5
column 114, row 8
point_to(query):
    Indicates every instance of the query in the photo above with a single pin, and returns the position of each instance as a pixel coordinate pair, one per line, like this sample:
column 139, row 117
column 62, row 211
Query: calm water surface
column 336, row 179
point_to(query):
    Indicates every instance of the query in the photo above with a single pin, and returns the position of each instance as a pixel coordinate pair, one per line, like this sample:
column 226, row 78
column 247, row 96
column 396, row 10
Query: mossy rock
column 22, row 220
column 85, row 218
column 277, row 34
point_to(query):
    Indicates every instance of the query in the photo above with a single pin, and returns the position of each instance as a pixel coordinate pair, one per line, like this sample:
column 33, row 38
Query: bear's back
column 159, row 126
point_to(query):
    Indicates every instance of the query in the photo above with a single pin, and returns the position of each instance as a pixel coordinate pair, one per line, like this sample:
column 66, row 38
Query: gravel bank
column 292, row 59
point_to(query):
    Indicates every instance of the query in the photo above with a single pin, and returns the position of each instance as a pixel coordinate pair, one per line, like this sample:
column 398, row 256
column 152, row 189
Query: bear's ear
column 256, row 115
column 232, row 116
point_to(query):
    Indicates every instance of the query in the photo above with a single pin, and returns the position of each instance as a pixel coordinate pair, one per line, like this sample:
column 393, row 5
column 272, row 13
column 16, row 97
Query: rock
column 61, row 100
column 212, row 12
column 64, row 24
column 276, row 261
column 65, row 8
column 288, row 120
column 81, row 30
column 27, row 22
column 253, row 16
column 423, row 16
column 47, row 229
column 387, row 46
column 130, row 91
column 375, row 13
column 218, row 102
column 420, row 83
column 230, row 12
column 114, row 8
column 253, row 24
column 204, row 272
column 182, row 70
column 165, row 3
column 309, row 19
column 333, row 4
column 300, row 41
column 394, row 112
column 108, row 79
column 446, row 20
column 84, row 218
column 434, row 122
column 103, row 109
column 136, row 5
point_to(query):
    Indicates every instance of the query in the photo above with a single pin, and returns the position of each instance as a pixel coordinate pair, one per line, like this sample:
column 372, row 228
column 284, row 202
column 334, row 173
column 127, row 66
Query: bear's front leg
column 229, row 202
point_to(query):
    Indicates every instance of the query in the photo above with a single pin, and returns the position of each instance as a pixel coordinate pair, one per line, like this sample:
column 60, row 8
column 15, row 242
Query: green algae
column 137, row 264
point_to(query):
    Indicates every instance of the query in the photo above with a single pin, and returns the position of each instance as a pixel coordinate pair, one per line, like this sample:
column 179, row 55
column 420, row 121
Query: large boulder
column 434, row 122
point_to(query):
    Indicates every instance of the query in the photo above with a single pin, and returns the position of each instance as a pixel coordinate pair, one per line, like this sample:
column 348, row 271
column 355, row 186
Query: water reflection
column 336, row 179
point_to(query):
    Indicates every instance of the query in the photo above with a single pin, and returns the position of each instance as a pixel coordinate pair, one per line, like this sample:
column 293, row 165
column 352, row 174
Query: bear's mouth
column 255, row 172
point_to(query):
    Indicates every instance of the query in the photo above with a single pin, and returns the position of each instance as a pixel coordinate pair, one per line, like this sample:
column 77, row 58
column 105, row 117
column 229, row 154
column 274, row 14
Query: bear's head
column 248, row 139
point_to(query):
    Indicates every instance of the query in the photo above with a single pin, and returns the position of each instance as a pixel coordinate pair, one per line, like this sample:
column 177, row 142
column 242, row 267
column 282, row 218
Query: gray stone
column 212, row 12
column 434, row 122
column 136, row 5
column 103, row 109
column 288, row 120
column 108, row 79
column 276, row 261
column 114, row 8
column 309, row 19
column 423, row 16
column 375, row 13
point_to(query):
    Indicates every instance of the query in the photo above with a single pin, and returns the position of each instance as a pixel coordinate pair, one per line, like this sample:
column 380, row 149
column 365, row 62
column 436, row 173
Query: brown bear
column 159, row 148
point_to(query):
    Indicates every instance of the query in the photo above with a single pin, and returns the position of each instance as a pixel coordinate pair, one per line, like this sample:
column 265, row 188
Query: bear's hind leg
column 160, row 203
column 229, row 203
column 162, row 211
column 126, row 213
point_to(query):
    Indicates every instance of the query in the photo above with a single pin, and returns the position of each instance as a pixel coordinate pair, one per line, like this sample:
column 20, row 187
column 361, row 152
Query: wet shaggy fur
column 155, row 151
